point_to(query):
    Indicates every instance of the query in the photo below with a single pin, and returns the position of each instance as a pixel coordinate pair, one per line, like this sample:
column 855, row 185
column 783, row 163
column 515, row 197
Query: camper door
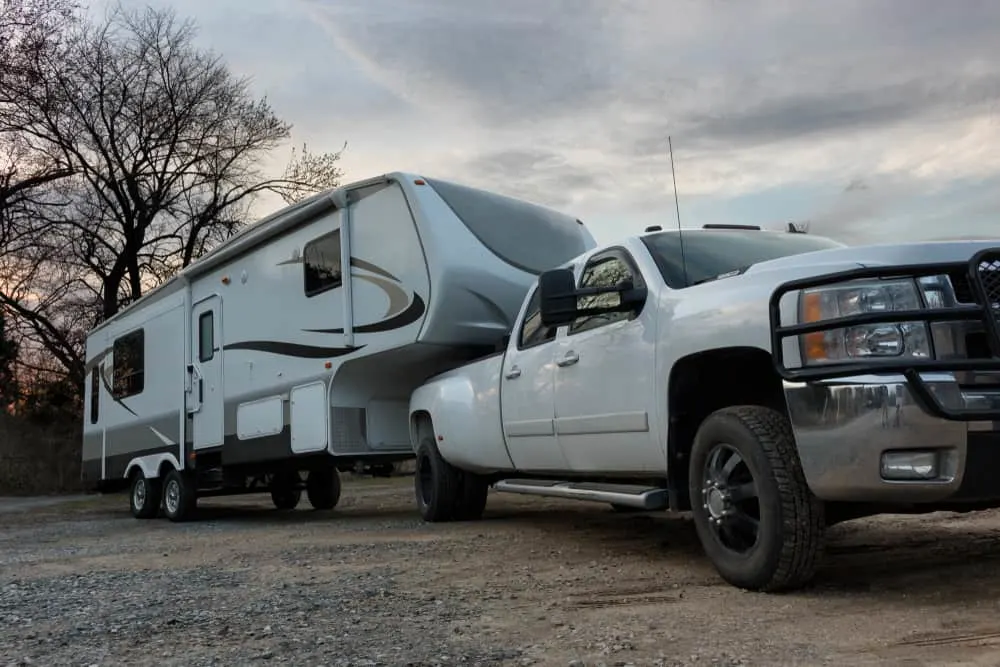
column 205, row 399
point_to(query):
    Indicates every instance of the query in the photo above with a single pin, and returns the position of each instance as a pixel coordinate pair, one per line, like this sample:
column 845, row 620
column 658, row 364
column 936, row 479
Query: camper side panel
column 283, row 316
column 485, row 250
column 136, row 367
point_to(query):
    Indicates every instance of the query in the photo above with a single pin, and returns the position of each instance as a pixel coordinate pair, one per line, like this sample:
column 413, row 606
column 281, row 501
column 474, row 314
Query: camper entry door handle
column 201, row 390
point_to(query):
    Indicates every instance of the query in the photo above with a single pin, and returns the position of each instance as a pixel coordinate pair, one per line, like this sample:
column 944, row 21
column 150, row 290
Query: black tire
column 180, row 496
column 472, row 494
column 437, row 483
column 323, row 488
column 285, row 491
column 145, row 495
column 788, row 542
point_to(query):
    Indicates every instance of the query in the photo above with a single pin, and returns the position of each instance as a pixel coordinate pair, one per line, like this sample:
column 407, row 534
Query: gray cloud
column 569, row 102
column 541, row 176
column 798, row 116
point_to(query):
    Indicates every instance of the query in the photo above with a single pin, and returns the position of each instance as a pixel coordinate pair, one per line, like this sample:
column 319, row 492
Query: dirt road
column 536, row 582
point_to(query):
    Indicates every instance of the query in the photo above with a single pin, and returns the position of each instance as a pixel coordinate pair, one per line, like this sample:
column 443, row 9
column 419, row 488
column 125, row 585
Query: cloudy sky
column 876, row 120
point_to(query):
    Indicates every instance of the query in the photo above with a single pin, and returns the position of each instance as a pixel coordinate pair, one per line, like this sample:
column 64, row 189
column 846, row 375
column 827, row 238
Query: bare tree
column 163, row 147
column 8, row 357
column 30, row 31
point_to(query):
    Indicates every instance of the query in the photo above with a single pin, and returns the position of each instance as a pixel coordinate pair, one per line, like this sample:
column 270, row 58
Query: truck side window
column 604, row 271
column 532, row 332
column 321, row 264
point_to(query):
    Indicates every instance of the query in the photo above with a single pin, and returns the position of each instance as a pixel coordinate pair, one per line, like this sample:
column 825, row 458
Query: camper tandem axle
column 293, row 348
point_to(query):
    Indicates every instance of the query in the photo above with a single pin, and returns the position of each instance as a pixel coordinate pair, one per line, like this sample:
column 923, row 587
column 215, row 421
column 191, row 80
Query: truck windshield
column 710, row 253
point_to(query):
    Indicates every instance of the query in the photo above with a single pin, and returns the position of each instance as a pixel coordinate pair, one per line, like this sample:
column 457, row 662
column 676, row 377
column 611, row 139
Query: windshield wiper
column 727, row 274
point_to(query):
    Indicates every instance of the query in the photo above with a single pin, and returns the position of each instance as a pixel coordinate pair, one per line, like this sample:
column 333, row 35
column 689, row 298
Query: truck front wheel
column 756, row 518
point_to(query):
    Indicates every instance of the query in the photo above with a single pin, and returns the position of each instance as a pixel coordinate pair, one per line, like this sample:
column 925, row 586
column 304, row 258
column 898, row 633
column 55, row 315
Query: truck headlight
column 864, row 341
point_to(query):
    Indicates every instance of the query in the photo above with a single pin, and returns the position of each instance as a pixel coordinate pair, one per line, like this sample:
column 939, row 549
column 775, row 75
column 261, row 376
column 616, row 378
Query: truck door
column 527, row 395
column 205, row 397
column 605, row 379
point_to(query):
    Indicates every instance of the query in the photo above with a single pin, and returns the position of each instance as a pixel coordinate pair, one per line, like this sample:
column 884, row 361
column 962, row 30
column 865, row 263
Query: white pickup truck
column 771, row 383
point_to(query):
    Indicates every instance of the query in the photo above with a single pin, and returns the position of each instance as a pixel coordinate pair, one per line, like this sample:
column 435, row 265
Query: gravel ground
column 537, row 581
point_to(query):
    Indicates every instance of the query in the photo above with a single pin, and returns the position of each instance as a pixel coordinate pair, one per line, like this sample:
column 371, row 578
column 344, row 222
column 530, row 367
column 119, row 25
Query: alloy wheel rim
column 139, row 494
column 730, row 499
column 173, row 496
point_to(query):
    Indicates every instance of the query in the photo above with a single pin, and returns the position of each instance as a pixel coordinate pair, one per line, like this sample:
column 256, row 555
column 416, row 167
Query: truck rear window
column 531, row 237
column 712, row 253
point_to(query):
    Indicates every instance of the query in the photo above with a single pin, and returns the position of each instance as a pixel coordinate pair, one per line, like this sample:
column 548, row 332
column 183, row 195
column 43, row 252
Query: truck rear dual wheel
column 444, row 492
column 757, row 520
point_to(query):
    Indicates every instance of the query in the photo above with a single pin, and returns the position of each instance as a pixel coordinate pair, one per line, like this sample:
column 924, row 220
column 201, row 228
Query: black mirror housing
column 560, row 304
column 557, row 297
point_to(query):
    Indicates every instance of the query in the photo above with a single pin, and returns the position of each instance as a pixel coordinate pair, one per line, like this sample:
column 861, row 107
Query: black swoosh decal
column 408, row 316
column 292, row 349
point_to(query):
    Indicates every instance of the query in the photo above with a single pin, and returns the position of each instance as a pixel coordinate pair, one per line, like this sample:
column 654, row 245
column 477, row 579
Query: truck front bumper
column 901, row 429
column 870, row 438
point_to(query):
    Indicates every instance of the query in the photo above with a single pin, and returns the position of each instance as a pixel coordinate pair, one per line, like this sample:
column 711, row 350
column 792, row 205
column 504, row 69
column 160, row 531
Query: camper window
column 95, row 395
column 206, row 336
column 321, row 263
column 129, row 364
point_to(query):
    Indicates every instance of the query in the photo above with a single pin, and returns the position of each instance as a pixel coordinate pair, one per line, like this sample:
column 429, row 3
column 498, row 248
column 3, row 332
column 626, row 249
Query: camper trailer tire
column 180, row 496
column 285, row 490
column 144, row 495
column 323, row 488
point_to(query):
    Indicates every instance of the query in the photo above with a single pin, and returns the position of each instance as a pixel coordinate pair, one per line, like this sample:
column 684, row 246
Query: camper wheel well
column 165, row 467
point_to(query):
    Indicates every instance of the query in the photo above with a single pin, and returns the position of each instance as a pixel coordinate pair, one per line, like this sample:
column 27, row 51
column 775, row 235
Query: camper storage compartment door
column 308, row 417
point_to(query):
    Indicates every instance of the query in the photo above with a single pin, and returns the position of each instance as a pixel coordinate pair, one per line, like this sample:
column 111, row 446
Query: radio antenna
column 677, row 206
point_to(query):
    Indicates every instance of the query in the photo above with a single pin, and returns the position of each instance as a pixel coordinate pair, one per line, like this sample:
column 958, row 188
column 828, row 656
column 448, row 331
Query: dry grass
column 38, row 459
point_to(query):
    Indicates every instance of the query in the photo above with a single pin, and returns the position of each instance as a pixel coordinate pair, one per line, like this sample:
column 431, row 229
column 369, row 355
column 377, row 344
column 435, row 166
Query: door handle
column 569, row 359
column 513, row 373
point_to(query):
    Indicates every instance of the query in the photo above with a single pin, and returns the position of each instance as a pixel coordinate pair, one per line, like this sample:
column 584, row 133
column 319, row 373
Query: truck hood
column 932, row 252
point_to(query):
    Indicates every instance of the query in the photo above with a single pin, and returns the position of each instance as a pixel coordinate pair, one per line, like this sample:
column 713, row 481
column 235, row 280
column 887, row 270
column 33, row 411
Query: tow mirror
column 557, row 296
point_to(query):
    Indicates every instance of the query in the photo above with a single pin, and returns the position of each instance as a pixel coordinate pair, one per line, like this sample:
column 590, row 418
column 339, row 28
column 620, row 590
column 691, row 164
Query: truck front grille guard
column 983, row 272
